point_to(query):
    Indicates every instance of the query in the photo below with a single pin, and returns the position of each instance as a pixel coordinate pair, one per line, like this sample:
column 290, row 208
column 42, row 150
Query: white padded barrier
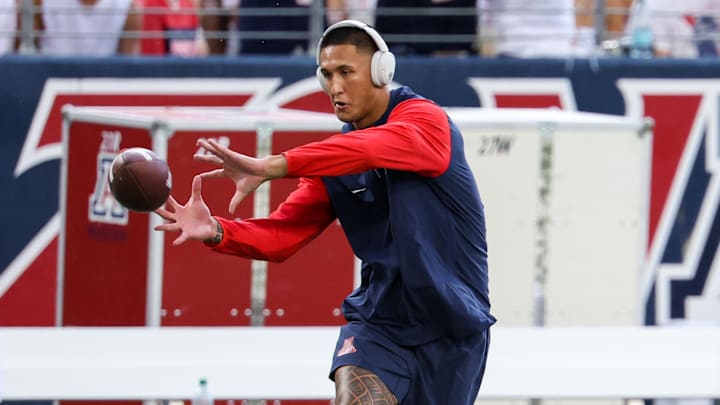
column 285, row 363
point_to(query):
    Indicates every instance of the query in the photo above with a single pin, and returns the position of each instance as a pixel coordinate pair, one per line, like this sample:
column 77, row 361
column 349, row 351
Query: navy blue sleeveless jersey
column 422, row 242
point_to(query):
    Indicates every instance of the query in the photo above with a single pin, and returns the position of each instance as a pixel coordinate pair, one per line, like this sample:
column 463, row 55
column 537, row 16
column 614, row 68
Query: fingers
column 180, row 239
column 203, row 143
column 213, row 174
column 173, row 227
column 165, row 214
column 196, row 192
column 213, row 147
column 218, row 147
column 212, row 159
column 173, row 203
column 236, row 200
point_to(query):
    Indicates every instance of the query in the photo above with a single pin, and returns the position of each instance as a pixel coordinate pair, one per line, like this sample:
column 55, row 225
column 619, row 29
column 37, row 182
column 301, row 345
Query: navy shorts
column 444, row 371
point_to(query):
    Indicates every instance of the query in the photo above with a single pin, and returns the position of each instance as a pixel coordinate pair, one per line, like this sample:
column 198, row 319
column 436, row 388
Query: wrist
column 218, row 237
column 274, row 166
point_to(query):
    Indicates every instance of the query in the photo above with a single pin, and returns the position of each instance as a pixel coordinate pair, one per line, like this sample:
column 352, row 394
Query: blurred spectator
column 336, row 10
column 431, row 25
column 684, row 29
column 616, row 16
column 587, row 38
column 87, row 27
column 361, row 10
column 253, row 28
column 8, row 26
column 219, row 21
column 528, row 28
column 172, row 27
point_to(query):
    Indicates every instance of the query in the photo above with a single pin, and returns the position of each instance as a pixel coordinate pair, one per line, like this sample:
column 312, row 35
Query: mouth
column 339, row 105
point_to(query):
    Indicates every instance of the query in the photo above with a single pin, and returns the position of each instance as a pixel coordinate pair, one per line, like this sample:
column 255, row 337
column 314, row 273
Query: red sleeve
column 298, row 220
column 416, row 138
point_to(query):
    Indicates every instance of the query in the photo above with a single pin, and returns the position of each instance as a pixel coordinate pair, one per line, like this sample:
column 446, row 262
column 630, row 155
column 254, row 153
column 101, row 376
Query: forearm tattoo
column 357, row 386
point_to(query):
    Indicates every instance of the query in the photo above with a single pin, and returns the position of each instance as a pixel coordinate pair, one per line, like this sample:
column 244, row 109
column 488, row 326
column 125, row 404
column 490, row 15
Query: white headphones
column 382, row 65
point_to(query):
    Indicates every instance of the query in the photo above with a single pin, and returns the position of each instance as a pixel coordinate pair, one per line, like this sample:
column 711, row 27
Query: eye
column 345, row 72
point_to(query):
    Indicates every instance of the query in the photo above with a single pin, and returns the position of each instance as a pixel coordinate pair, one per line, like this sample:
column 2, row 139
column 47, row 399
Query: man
column 87, row 27
column 397, row 179
column 528, row 28
column 173, row 28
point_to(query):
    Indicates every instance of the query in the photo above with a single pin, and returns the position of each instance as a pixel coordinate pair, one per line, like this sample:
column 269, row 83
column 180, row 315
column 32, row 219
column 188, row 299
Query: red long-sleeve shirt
column 416, row 138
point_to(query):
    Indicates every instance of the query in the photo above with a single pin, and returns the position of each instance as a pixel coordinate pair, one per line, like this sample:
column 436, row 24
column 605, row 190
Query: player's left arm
column 416, row 138
column 304, row 214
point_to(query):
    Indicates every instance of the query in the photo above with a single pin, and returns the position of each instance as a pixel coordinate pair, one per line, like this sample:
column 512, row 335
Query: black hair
column 350, row 36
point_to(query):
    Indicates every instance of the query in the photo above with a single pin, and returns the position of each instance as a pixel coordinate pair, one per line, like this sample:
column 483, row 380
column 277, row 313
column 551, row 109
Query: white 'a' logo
column 102, row 206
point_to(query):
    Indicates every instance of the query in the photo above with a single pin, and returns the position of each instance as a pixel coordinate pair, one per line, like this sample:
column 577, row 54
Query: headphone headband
column 382, row 64
column 370, row 31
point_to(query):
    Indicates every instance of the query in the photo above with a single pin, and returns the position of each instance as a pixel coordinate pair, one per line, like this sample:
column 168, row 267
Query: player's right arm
column 298, row 220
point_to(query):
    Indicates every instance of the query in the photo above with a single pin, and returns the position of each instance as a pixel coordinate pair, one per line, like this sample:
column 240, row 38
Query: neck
column 380, row 102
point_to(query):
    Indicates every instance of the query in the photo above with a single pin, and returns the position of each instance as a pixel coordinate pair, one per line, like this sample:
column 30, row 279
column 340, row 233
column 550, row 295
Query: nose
column 335, row 85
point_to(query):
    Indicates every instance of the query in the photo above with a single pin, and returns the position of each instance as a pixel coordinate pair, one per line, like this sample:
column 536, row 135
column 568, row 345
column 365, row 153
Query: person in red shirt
column 397, row 179
column 172, row 28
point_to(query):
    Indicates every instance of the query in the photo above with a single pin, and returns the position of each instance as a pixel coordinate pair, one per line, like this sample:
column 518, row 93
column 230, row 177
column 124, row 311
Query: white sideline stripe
column 31, row 252
column 143, row 363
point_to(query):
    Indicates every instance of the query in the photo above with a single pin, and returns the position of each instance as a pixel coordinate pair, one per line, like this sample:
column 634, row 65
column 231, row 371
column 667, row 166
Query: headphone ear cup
column 382, row 68
column 321, row 79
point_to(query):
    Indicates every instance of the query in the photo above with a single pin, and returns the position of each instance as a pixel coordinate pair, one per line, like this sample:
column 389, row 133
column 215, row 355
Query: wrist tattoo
column 218, row 232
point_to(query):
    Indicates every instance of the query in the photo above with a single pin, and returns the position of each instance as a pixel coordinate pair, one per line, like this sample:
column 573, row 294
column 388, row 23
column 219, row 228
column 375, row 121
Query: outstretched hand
column 192, row 220
column 246, row 172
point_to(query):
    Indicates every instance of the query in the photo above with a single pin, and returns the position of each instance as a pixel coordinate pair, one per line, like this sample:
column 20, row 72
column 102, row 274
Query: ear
column 321, row 80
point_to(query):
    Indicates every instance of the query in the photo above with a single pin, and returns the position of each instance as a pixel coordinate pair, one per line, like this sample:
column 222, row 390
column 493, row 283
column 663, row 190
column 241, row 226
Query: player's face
column 346, row 72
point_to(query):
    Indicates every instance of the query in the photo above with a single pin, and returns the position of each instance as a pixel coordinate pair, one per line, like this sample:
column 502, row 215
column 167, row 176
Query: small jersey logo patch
column 347, row 347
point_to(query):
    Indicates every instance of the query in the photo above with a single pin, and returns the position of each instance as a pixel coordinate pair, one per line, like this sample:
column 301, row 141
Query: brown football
column 139, row 179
